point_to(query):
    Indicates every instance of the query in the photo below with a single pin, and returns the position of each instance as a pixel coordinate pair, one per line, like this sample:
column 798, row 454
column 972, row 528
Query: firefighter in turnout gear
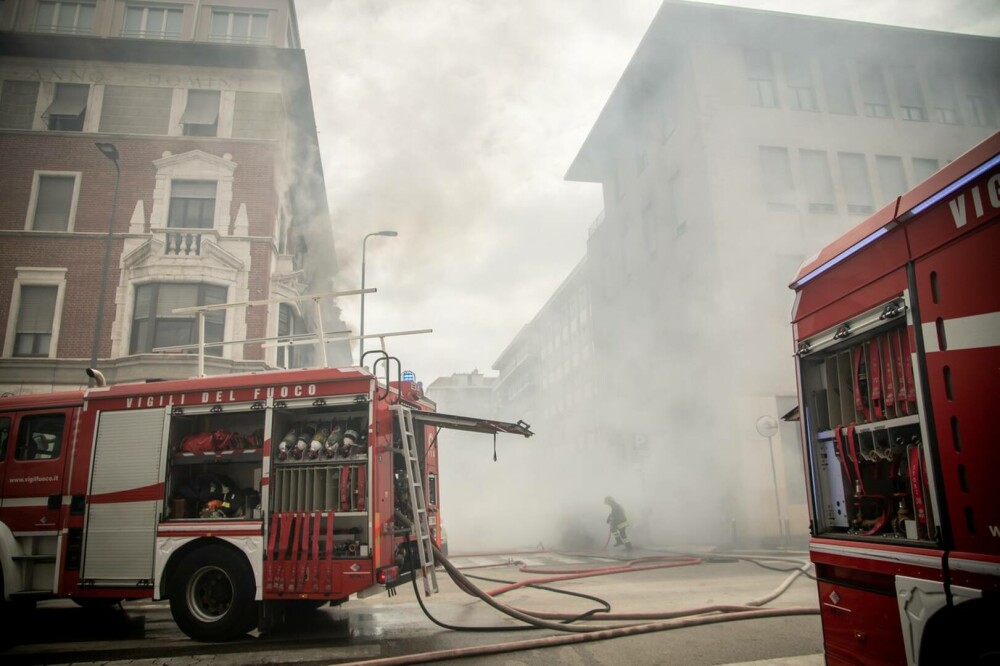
column 617, row 523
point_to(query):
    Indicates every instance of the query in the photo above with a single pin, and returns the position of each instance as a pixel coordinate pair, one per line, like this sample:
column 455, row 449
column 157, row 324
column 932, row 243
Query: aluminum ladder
column 414, row 480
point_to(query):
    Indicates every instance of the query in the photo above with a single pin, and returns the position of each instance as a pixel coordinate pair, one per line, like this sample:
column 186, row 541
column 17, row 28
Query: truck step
column 28, row 595
column 34, row 558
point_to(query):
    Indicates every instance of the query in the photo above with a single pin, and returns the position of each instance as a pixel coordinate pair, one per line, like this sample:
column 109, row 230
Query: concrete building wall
column 702, row 233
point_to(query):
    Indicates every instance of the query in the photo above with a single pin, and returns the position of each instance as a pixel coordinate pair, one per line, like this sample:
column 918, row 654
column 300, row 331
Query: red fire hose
column 662, row 562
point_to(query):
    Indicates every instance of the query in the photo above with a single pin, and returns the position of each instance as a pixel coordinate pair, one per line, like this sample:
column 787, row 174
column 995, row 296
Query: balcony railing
column 182, row 242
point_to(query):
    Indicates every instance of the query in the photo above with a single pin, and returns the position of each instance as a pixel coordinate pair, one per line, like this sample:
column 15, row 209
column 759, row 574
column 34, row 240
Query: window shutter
column 873, row 85
column 135, row 110
column 891, row 176
column 176, row 296
column 193, row 189
column 819, row 185
column 53, row 203
column 856, row 183
column 37, row 309
column 202, row 108
column 758, row 64
column 797, row 71
column 71, row 100
column 908, row 88
column 17, row 104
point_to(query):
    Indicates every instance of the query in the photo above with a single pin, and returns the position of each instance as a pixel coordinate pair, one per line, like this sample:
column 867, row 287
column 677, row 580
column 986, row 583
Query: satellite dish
column 767, row 426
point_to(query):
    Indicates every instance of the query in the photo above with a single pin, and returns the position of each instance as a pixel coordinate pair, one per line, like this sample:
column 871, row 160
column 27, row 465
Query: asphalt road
column 143, row 633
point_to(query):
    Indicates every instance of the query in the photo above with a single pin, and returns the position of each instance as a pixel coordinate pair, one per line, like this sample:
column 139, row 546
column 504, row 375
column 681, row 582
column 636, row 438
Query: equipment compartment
column 214, row 463
column 321, row 467
column 863, row 431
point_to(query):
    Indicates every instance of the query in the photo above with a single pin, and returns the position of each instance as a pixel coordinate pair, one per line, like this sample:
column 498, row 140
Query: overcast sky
column 453, row 122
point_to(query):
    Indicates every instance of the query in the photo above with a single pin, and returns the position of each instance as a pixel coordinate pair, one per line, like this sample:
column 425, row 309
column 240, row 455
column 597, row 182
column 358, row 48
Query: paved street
column 384, row 626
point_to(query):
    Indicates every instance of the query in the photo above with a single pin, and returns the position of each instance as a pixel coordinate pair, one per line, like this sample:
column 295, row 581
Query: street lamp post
column 768, row 427
column 361, row 354
column 109, row 151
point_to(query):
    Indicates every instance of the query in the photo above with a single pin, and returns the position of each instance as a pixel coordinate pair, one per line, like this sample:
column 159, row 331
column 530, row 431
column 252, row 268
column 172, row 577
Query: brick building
column 199, row 117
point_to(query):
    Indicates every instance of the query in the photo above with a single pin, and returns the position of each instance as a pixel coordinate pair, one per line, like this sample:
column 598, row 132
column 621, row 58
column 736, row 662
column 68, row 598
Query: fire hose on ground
column 581, row 634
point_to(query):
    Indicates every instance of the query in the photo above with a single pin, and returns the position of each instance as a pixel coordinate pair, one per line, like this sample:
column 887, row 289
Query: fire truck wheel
column 967, row 635
column 211, row 597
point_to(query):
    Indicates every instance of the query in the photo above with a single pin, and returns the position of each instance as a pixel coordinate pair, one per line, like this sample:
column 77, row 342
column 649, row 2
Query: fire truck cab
column 897, row 336
column 236, row 497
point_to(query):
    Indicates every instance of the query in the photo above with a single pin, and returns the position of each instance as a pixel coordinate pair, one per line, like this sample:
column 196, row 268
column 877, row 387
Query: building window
column 289, row 323
column 35, row 318
column 67, row 111
column 34, row 315
column 873, row 91
column 155, row 324
column 857, row 185
column 924, row 168
column 891, row 176
column 981, row 111
column 238, row 27
column 192, row 204
column 911, row 100
column 760, row 76
column 819, row 184
column 17, row 104
column 153, row 22
column 201, row 115
column 70, row 18
column 944, row 99
column 837, row 85
column 134, row 110
column 801, row 91
column 53, row 201
column 776, row 172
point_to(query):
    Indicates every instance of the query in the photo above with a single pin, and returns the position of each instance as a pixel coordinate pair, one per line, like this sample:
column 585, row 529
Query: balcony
column 184, row 242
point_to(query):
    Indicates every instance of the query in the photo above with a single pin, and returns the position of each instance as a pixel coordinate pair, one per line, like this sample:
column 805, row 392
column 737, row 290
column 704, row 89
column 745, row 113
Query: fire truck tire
column 967, row 635
column 212, row 595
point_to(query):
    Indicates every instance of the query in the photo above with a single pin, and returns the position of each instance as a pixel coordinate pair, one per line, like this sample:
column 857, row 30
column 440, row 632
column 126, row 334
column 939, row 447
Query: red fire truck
column 236, row 497
column 897, row 335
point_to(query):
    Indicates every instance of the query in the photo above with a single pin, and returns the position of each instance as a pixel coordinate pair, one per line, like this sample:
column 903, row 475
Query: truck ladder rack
column 414, row 480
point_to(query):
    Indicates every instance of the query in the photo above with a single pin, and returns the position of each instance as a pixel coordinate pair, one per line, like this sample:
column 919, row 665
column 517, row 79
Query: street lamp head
column 386, row 233
column 109, row 150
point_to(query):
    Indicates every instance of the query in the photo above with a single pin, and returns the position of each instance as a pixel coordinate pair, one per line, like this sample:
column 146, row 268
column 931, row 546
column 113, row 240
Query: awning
column 202, row 108
column 71, row 100
column 470, row 423
column 792, row 415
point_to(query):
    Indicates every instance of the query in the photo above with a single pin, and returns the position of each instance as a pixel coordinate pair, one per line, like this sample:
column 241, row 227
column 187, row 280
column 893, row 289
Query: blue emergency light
column 408, row 376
